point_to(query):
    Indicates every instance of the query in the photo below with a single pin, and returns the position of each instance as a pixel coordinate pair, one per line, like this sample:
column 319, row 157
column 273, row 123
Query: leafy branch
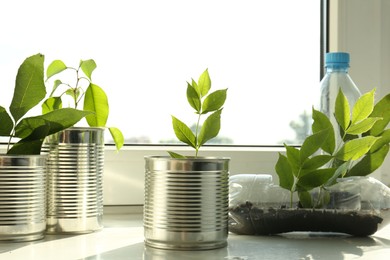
column 29, row 91
column 320, row 161
column 95, row 99
column 202, row 102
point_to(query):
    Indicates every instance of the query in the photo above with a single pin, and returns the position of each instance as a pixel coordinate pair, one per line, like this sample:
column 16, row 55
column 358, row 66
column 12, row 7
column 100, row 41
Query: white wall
column 124, row 171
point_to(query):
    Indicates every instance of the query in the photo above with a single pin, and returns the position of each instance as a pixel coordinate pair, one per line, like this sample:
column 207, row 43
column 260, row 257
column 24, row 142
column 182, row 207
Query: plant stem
column 9, row 140
column 76, row 101
column 196, row 136
column 9, row 143
column 293, row 189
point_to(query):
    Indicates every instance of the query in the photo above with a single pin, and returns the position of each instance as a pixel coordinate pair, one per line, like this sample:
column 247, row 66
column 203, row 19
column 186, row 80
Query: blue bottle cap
column 337, row 60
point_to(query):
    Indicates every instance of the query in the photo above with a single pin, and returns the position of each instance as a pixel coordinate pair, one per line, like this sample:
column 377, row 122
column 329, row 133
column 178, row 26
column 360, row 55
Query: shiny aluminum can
column 22, row 197
column 74, row 184
column 186, row 203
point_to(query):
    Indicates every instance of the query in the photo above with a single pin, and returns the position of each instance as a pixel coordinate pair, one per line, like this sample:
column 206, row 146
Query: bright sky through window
column 265, row 52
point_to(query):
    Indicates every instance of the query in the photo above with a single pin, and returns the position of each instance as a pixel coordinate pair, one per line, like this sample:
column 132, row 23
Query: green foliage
column 29, row 83
column 6, row 123
column 300, row 169
column 29, row 91
column 284, row 170
column 176, row 155
column 117, row 136
column 94, row 97
column 320, row 161
column 202, row 102
column 321, row 121
column 56, row 120
column 96, row 100
column 382, row 110
column 370, row 162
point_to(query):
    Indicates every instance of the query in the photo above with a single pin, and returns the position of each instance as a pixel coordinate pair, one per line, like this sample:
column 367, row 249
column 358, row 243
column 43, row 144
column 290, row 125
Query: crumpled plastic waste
column 357, row 206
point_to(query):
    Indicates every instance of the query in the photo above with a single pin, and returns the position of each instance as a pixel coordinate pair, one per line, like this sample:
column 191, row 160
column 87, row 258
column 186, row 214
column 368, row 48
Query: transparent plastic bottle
column 336, row 77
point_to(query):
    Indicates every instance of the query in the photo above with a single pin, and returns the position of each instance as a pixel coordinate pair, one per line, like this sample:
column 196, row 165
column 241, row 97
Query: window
column 265, row 52
column 132, row 47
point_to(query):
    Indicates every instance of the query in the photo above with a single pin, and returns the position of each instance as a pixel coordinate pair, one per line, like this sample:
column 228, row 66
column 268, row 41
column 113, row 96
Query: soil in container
column 250, row 220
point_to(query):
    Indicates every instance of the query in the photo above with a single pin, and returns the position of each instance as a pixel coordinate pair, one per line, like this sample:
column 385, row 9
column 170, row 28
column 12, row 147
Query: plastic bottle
column 336, row 77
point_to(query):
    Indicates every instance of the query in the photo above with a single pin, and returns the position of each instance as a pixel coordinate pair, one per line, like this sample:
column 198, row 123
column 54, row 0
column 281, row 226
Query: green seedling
column 203, row 103
column 320, row 160
column 94, row 97
column 29, row 91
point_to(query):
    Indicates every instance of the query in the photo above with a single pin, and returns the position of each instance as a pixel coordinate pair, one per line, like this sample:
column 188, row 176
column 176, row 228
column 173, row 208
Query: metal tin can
column 186, row 203
column 74, row 186
column 22, row 197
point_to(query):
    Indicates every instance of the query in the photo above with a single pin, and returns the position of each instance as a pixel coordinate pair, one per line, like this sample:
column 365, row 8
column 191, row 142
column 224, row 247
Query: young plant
column 28, row 92
column 94, row 97
column 320, row 161
column 202, row 102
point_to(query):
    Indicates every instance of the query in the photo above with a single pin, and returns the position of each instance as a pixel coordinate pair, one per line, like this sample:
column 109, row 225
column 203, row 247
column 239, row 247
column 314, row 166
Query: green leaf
column 362, row 126
column 293, row 157
column 204, row 83
column 383, row 140
column 27, row 147
column 50, row 104
column 56, row 84
column 210, row 127
column 63, row 118
column 322, row 122
column 95, row 100
column 347, row 137
column 193, row 98
column 315, row 162
column 33, row 142
column 369, row 163
column 305, row 199
column 342, row 110
column 176, row 155
column 214, row 101
column 356, row 148
column 70, row 92
column 381, row 109
column 284, row 171
column 363, row 107
column 6, row 123
column 195, row 86
column 88, row 66
column 340, row 172
column 183, row 132
column 312, row 143
column 315, row 179
column 57, row 120
column 29, row 88
column 54, row 68
column 117, row 136
column 31, row 128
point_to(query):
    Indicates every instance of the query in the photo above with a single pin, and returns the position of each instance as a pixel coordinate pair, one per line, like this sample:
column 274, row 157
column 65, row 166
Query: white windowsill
column 122, row 238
